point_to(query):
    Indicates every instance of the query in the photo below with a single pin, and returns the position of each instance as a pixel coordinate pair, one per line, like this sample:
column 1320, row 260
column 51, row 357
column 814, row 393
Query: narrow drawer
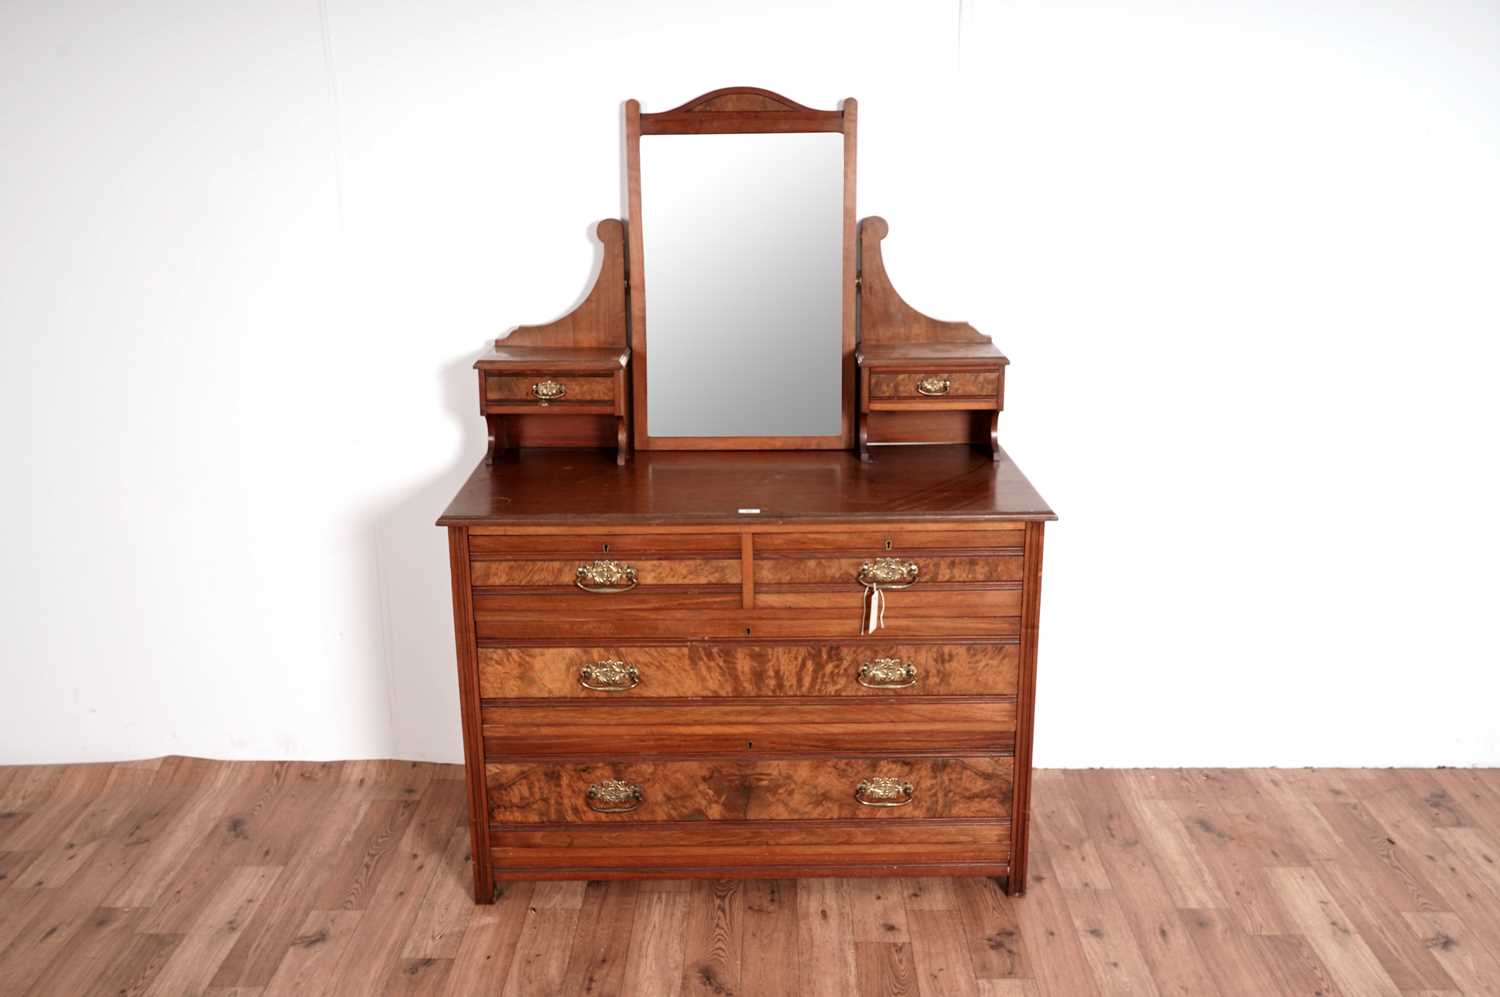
column 933, row 569
column 689, row 848
column 539, row 729
column 710, row 790
column 607, row 575
column 979, row 385
column 748, row 670
column 548, row 389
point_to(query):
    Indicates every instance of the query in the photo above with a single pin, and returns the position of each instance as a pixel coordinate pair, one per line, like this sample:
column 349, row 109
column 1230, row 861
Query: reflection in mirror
column 743, row 257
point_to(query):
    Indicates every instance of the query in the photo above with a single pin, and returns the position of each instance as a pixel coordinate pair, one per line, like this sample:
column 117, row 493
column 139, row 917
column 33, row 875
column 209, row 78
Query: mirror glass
column 743, row 260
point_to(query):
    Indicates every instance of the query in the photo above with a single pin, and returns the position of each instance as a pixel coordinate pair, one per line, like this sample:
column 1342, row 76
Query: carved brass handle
column 887, row 673
column 614, row 796
column 605, row 576
column 888, row 573
column 934, row 386
column 609, row 675
column 883, row 792
column 548, row 390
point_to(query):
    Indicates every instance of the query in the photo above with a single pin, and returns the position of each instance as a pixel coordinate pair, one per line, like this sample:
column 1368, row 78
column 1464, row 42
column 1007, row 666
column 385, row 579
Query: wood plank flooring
column 184, row 876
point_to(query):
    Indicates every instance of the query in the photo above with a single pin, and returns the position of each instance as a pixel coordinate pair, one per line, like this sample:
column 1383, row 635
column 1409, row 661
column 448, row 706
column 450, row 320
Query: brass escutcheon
column 883, row 792
column 887, row 673
column 614, row 796
column 609, row 675
column 548, row 390
column 605, row 576
column 888, row 573
column 934, row 386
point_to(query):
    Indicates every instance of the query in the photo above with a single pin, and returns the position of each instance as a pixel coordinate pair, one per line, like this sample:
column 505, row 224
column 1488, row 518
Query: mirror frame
column 735, row 110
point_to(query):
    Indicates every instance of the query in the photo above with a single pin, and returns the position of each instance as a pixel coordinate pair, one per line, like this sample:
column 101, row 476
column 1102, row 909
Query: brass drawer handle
column 614, row 796
column 605, row 576
column 548, row 390
column 883, row 792
column 888, row 573
column 934, row 386
column 609, row 675
column 887, row 673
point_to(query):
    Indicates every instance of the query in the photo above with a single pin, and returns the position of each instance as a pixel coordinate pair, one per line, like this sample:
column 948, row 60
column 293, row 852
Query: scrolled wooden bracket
column 599, row 320
column 884, row 317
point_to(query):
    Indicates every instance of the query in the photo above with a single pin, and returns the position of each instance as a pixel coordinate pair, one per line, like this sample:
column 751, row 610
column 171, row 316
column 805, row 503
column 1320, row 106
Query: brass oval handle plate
column 887, row 673
column 549, row 390
column 614, row 796
column 883, row 792
column 609, row 675
column 888, row 573
column 605, row 577
column 934, row 386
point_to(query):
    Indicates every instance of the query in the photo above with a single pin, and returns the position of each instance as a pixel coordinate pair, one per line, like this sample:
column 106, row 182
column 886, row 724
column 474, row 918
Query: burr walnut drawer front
column 794, row 789
column 545, row 390
column 708, row 670
column 982, row 387
column 604, row 574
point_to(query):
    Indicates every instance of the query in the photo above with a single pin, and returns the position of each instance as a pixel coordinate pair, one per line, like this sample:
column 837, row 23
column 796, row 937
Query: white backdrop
column 1245, row 259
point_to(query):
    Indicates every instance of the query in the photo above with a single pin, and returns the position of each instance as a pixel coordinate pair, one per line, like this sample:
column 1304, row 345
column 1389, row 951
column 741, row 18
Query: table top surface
column 911, row 483
column 975, row 354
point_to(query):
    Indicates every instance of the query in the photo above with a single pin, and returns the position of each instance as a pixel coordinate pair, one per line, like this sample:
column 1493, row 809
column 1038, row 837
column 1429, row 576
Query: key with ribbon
column 878, row 576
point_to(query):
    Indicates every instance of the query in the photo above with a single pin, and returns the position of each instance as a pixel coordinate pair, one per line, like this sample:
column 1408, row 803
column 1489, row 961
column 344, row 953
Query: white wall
column 1244, row 259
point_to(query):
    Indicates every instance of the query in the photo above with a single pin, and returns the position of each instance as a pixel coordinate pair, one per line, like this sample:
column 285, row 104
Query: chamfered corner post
column 1031, row 596
column 468, row 696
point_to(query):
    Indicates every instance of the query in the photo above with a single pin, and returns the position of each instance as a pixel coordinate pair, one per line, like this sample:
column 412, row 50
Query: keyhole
column 606, row 548
column 887, row 543
column 747, row 631
column 748, row 745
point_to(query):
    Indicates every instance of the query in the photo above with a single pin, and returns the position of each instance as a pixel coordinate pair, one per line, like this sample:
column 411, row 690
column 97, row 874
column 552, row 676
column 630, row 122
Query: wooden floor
column 183, row 876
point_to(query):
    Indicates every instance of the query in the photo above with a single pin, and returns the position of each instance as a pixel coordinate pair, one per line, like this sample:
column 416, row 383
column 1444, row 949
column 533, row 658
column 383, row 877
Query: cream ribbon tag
column 873, row 617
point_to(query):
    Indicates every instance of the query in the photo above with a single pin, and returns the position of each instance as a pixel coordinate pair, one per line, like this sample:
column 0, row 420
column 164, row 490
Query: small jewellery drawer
column 548, row 389
column 540, row 729
column 765, row 789
column 981, row 386
column 705, row 670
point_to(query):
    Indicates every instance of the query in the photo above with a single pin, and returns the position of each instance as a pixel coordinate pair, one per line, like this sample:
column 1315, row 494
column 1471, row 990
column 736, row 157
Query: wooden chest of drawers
column 659, row 684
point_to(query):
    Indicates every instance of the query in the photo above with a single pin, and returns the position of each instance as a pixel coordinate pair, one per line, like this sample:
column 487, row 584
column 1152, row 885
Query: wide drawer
column 949, row 385
column 540, row 729
column 504, row 618
column 547, row 389
column 711, row 847
column 704, row 670
column 719, row 790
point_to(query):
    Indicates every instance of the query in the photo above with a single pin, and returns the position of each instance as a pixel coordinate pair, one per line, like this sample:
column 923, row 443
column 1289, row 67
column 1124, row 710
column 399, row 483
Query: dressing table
column 745, row 585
